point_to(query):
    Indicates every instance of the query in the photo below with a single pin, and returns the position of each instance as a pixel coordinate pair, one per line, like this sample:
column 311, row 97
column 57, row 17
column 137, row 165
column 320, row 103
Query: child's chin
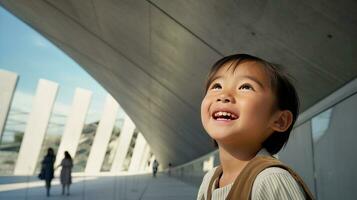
column 220, row 137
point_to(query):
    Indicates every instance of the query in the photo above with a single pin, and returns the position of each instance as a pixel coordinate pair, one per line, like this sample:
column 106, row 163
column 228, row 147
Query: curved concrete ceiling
column 153, row 56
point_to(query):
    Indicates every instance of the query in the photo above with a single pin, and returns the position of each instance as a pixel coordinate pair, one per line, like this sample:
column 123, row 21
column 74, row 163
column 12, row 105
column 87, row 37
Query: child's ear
column 282, row 120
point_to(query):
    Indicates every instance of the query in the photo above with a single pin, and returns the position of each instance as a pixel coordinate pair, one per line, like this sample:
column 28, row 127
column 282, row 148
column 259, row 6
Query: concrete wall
column 299, row 153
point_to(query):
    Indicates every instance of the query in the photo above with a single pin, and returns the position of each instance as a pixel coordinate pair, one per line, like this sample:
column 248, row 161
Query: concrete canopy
column 153, row 56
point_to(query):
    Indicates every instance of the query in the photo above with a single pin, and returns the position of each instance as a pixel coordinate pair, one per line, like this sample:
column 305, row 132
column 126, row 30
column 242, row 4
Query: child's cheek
column 251, row 109
column 259, row 110
column 204, row 110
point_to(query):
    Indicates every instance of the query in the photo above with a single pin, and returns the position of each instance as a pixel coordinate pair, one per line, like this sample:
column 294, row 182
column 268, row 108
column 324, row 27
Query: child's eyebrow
column 245, row 76
column 253, row 79
column 215, row 78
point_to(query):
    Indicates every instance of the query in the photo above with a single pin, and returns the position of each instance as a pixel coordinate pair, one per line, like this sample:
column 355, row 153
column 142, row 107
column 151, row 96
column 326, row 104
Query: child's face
column 239, row 105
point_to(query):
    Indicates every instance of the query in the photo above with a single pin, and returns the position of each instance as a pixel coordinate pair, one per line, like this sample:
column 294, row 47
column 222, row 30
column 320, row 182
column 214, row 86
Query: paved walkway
column 140, row 187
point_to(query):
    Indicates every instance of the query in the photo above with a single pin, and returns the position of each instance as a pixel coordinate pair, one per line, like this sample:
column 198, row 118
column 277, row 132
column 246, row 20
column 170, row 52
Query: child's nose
column 225, row 98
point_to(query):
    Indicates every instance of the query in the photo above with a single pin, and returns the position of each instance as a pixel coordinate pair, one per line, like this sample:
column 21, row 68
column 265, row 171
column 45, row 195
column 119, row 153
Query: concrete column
column 145, row 158
column 102, row 136
column 137, row 153
column 36, row 127
column 74, row 125
column 125, row 137
column 8, row 81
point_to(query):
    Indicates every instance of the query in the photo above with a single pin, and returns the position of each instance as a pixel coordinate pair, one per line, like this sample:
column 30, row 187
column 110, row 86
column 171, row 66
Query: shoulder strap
column 242, row 186
column 216, row 174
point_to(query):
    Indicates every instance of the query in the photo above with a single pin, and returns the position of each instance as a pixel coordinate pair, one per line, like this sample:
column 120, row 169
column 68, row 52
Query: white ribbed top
column 271, row 183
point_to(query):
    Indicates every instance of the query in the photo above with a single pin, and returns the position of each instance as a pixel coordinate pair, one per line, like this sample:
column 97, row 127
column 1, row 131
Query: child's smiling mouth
column 224, row 116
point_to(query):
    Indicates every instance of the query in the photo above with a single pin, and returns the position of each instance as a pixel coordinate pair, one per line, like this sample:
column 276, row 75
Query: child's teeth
column 224, row 114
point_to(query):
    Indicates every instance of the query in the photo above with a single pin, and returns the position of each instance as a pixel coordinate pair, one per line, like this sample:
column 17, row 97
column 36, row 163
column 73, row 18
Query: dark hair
column 287, row 97
column 67, row 155
column 50, row 151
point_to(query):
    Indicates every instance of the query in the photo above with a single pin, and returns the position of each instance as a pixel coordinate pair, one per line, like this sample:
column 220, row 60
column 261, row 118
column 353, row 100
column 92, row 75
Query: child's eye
column 246, row 87
column 216, row 86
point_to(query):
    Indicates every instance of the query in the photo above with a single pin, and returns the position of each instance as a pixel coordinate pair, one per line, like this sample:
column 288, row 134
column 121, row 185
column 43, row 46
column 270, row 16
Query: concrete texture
column 153, row 56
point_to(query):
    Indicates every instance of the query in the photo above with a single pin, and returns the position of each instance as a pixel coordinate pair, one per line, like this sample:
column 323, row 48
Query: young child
column 249, row 110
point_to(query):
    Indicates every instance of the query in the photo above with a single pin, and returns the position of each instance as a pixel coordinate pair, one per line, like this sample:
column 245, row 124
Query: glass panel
column 320, row 124
column 128, row 156
column 112, row 146
column 14, row 131
column 84, row 146
column 334, row 151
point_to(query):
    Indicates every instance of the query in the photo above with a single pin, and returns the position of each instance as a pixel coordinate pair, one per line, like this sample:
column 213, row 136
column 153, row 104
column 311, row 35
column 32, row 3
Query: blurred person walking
column 47, row 169
column 66, row 177
column 155, row 166
column 169, row 170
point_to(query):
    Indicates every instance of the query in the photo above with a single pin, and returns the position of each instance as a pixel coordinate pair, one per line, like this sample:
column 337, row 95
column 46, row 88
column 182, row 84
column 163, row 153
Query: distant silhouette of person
column 47, row 169
column 66, row 177
column 155, row 166
column 169, row 171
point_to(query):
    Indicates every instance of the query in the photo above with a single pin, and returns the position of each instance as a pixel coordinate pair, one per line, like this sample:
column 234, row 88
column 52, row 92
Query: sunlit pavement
column 140, row 187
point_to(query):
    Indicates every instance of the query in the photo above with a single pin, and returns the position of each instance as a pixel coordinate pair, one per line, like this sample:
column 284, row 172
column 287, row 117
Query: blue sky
column 26, row 52
column 31, row 56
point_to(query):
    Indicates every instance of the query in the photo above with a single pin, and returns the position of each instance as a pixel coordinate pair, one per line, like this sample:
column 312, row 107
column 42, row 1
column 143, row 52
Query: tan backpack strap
column 298, row 179
column 216, row 174
column 242, row 186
